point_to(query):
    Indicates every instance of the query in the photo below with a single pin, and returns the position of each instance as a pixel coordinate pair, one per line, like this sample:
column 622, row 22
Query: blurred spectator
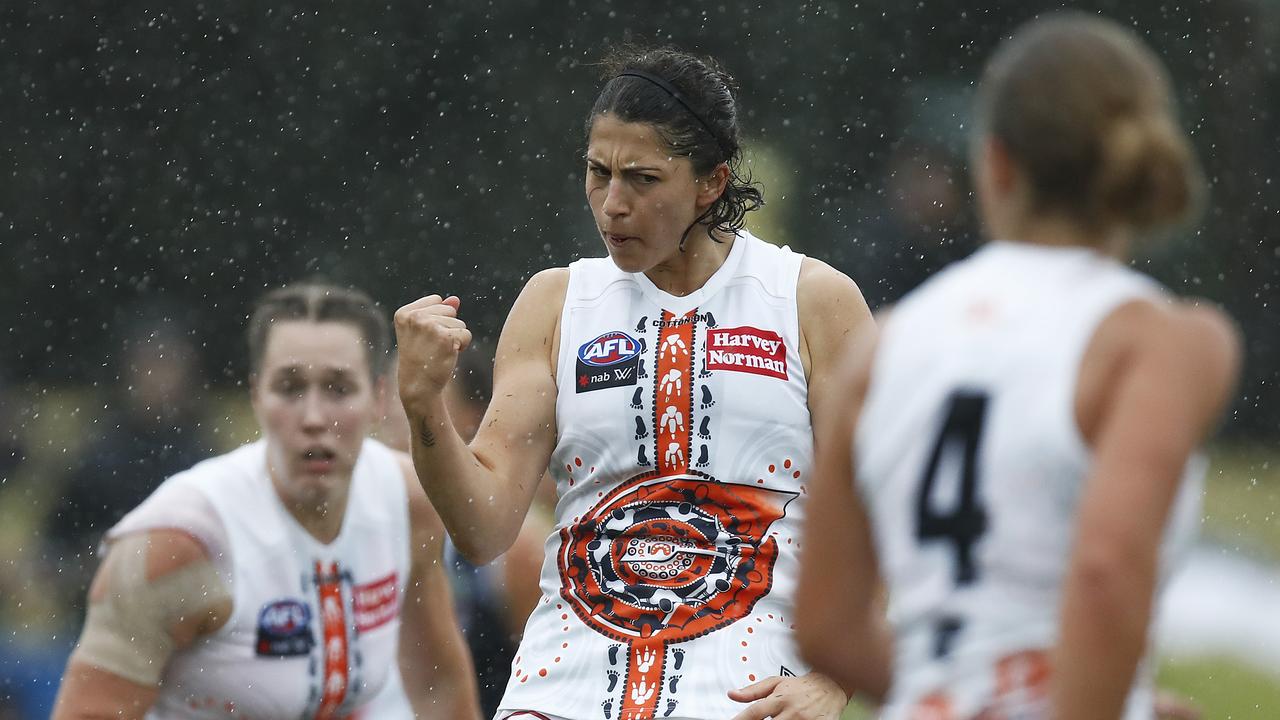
column 33, row 647
column 150, row 430
column 924, row 223
column 494, row 601
column 15, row 663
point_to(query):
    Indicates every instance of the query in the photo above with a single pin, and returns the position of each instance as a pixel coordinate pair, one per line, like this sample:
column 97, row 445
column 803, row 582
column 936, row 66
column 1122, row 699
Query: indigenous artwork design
column 672, row 553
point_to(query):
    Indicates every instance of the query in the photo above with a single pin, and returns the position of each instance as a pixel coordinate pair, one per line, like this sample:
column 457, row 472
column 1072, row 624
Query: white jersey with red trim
column 971, row 463
column 683, row 449
column 314, row 628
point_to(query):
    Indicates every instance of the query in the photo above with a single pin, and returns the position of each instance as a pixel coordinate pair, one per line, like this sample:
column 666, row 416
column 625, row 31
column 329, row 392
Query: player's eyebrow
column 628, row 170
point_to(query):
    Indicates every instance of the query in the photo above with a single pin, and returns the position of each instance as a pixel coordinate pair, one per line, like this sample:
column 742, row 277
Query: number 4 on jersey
column 967, row 521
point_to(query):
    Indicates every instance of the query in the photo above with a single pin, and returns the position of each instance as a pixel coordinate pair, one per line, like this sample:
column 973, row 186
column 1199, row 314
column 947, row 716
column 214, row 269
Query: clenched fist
column 429, row 337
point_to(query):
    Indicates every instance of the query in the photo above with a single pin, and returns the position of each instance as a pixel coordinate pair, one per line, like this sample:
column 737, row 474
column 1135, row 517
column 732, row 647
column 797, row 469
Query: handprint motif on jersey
column 674, row 455
column 644, row 659
column 671, row 421
column 672, row 383
column 641, row 692
column 675, row 345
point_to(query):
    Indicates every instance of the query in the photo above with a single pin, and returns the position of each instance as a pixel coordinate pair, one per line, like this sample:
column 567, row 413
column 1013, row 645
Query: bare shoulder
column 1209, row 328
column 534, row 319
column 1188, row 344
column 1191, row 331
column 165, row 551
column 829, row 303
column 544, row 293
column 170, row 581
column 821, row 284
column 1204, row 336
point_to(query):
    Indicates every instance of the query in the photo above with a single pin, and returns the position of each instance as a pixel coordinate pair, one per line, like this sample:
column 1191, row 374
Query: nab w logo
column 610, row 360
column 284, row 629
column 609, row 349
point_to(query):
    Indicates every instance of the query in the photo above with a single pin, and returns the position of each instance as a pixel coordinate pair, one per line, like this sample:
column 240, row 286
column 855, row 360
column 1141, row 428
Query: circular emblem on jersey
column 610, row 348
column 671, row 557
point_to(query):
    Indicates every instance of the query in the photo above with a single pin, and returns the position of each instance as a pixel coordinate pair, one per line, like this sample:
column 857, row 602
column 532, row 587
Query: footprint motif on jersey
column 704, row 429
column 707, row 399
column 637, row 401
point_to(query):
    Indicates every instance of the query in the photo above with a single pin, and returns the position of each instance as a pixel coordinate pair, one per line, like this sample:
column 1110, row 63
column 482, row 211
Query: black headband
column 673, row 92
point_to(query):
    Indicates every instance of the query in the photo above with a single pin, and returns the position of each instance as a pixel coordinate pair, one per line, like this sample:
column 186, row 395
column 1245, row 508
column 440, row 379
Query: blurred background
column 162, row 165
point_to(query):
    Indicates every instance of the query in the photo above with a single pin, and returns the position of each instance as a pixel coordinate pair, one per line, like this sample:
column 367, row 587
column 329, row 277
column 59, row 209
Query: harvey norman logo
column 747, row 349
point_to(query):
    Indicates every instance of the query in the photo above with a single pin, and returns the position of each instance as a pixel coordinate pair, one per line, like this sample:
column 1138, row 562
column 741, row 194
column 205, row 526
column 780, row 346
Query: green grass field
column 1223, row 689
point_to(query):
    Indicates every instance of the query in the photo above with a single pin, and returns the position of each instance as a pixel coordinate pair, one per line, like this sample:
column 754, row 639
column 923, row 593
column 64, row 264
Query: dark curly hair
column 701, row 123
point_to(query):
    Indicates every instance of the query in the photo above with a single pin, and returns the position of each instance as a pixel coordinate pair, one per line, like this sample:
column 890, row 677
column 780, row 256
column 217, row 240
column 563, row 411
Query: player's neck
column 1052, row 231
column 688, row 270
column 321, row 516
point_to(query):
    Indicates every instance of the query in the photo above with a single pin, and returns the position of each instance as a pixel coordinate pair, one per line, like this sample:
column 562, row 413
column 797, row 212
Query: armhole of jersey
column 562, row 327
column 791, row 279
column 564, row 352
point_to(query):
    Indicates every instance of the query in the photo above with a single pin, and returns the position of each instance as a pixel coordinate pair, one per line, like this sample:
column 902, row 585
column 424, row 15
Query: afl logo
column 610, row 348
column 671, row 558
column 284, row 628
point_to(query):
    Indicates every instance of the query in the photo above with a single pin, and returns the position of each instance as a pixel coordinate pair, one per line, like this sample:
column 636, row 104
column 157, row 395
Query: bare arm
column 483, row 491
column 840, row 582
column 1169, row 386
column 435, row 664
column 154, row 594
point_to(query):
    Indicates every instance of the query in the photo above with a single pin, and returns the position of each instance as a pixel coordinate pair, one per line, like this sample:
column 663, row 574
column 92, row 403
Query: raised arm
column 1162, row 377
column 483, row 491
column 436, row 666
column 154, row 594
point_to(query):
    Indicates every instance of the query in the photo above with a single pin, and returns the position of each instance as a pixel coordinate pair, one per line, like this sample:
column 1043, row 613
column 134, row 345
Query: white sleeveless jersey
column 683, row 450
column 971, row 464
column 314, row 628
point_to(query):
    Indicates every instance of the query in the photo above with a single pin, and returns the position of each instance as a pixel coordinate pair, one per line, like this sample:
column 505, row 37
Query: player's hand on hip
column 429, row 336
column 809, row 697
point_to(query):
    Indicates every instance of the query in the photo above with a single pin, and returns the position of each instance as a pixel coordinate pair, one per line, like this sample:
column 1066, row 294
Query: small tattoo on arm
column 426, row 437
